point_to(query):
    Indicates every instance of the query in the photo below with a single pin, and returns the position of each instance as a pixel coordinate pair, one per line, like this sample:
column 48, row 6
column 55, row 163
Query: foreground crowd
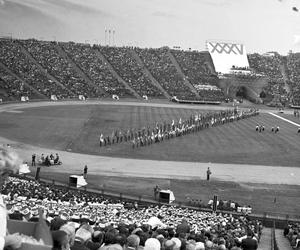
column 79, row 220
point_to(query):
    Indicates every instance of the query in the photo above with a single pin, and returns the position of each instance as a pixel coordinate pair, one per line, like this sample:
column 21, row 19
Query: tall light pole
column 114, row 44
column 109, row 32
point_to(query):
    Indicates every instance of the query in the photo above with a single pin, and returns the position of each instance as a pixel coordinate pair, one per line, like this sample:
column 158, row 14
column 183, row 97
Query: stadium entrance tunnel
column 247, row 89
column 241, row 92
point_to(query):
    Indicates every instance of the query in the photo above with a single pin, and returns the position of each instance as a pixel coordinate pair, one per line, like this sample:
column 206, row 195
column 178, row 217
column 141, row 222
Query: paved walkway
column 265, row 240
column 282, row 242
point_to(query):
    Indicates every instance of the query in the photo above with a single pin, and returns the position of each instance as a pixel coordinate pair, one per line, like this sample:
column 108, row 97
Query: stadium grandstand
column 41, row 69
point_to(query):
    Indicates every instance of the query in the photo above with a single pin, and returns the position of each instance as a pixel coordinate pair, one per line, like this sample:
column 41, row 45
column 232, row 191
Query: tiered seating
column 85, row 57
column 159, row 64
column 127, row 67
column 47, row 56
column 15, row 60
column 151, row 227
column 269, row 66
column 198, row 71
column 195, row 67
column 12, row 88
column 293, row 64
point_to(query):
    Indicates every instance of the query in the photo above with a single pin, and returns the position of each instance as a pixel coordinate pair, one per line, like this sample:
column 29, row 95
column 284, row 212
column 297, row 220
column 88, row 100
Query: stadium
column 147, row 141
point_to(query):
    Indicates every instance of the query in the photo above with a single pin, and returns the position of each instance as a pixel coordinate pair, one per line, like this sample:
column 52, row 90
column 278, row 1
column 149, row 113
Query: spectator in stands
column 249, row 243
column 9, row 163
column 184, row 227
column 132, row 242
column 82, row 236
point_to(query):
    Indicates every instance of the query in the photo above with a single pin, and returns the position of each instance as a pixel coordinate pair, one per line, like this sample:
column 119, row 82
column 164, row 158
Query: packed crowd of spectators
column 91, row 221
column 85, row 57
column 269, row 66
column 127, row 67
column 292, row 233
column 161, row 67
column 293, row 63
column 12, row 88
column 199, row 71
column 48, row 57
column 12, row 57
column 196, row 67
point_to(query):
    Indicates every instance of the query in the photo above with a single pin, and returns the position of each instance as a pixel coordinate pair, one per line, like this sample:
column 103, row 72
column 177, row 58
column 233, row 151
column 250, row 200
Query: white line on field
column 294, row 123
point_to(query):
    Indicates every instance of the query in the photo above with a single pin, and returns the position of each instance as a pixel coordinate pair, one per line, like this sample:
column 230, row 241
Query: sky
column 261, row 25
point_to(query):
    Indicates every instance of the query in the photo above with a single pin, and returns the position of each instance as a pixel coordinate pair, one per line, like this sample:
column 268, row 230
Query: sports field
column 240, row 157
column 77, row 128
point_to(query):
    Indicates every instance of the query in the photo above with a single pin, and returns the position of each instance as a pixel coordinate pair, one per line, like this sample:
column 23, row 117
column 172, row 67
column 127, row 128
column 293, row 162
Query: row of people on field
column 275, row 129
column 191, row 125
column 165, row 130
column 261, row 128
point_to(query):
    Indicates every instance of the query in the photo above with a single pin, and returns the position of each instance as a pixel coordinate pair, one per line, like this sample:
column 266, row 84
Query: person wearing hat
column 82, row 236
column 152, row 244
column 169, row 245
column 9, row 163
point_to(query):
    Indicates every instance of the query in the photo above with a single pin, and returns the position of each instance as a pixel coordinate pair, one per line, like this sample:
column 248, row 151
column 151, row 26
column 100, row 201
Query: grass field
column 76, row 128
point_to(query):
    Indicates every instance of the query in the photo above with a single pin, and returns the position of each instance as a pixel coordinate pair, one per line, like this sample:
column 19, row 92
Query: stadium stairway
column 79, row 71
column 282, row 242
column 186, row 82
column 116, row 75
column 147, row 73
column 51, row 77
column 265, row 239
column 283, row 71
column 38, row 94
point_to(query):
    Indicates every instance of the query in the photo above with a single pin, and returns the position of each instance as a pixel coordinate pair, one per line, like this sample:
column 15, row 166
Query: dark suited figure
column 208, row 173
column 33, row 160
column 85, row 172
column 249, row 243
